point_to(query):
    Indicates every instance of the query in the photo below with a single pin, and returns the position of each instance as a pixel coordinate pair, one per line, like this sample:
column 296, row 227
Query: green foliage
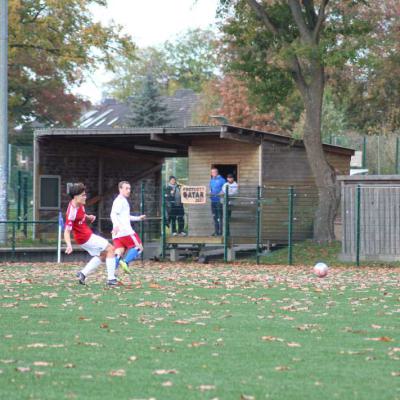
column 130, row 72
column 147, row 108
column 52, row 43
column 188, row 62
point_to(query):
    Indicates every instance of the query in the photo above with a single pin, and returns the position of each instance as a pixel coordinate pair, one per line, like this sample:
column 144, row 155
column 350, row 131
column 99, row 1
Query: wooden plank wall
column 285, row 166
column 203, row 153
column 79, row 165
column 379, row 222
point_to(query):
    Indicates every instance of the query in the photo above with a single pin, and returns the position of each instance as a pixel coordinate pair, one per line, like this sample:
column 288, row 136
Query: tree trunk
column 324, row 174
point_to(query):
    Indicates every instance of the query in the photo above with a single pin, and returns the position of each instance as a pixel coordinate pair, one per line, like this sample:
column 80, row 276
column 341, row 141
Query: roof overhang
column 170, row 141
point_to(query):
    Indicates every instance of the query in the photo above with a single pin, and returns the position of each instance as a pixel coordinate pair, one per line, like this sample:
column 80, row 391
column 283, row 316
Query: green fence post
column 25, row 205
column 226, row 222
column 13, row 240
column 397, row 154
column 163, row 230
column 364, row 152
column 290, row 226
column 142, row 222
column 19, row 197
column 258, row 224
column 358, row 225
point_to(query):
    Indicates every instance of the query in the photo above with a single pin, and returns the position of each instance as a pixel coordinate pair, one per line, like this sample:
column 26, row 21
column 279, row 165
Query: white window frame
column 40, row 192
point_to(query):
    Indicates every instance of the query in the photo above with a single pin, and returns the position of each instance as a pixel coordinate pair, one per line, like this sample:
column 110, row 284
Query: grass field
column 186, row 331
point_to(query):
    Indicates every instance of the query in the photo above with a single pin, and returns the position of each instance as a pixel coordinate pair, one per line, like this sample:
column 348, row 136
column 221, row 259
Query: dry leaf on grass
column 381, row 339
column 165, row 371
column 203, row 388
column 118, row 372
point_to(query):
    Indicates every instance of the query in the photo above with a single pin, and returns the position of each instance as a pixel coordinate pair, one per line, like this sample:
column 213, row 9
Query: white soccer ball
column 321, row 269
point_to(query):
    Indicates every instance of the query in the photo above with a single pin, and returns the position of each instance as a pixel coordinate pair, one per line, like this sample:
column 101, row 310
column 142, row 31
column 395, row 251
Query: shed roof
column 177, row 138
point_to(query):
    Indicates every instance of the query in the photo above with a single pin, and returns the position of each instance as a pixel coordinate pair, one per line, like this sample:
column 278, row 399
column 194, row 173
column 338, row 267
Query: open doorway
column 225, row 169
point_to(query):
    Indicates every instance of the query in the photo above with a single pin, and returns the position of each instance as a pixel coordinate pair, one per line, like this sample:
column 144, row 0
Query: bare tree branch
column 320, row 20
column 295, row 8
column 262, row 14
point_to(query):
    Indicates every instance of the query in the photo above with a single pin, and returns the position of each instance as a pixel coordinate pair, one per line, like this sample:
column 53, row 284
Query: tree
column 188, row 62
column 130, row 72
column 193, row 58
column 51, row 44
column 286, row 45
column 229, row 97
column 147, row 108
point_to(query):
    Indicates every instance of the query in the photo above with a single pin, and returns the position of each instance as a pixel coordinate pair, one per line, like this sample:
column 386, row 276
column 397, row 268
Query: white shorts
column 95, row 245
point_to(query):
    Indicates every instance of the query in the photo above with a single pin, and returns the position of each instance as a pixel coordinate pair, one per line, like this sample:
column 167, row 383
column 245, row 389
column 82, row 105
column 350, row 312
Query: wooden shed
column 102, row 157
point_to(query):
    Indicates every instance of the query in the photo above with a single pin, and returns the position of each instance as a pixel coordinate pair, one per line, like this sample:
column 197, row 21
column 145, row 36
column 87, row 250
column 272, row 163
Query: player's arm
column 115, row 216
column 90, row 218
column 67, row 238
column 135, row 218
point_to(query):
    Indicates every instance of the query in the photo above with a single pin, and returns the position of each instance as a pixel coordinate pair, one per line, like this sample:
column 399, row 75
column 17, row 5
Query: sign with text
column 193, row 194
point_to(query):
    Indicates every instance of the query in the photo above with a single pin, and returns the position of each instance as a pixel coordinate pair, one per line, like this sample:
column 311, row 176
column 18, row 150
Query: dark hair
column 230, row 176
column 122, row 183
column 76, row 189
column 172, row 177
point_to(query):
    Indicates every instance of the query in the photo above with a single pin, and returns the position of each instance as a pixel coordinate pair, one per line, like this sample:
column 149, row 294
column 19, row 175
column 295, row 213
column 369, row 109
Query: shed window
column 49, row 192
column 225, row 169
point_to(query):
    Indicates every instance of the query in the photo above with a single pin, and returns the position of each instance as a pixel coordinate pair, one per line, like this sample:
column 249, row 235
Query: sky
column 150, row 23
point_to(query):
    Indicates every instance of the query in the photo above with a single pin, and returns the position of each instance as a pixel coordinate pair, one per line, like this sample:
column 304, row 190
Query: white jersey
column 121, row 217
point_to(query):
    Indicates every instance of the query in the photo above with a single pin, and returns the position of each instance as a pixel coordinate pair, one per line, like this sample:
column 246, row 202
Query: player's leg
column 122, row 244
column 98, row 246
column 89, row 268
column 135, row 249
column 110, row 264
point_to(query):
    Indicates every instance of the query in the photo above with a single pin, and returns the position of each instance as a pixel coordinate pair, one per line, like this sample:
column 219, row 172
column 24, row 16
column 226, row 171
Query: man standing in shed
column 216, row 184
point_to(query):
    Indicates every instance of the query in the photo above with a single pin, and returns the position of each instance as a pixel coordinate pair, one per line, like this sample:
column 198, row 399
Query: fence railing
column 256, row 219
column 21, row 234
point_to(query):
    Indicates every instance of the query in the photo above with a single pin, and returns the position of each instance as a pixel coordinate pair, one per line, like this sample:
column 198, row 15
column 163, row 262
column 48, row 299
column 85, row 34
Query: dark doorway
column 225, row 169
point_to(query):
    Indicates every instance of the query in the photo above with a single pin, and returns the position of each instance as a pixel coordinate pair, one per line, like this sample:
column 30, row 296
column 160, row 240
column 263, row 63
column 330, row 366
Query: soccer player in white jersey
column 124, row 237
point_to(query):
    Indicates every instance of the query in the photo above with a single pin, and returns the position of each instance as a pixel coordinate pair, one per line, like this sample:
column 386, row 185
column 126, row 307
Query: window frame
column 41, row 207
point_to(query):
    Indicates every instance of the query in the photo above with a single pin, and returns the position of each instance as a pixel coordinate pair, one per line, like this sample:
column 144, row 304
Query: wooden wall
column 285, row 166
column 203, row 153
column 100, row 173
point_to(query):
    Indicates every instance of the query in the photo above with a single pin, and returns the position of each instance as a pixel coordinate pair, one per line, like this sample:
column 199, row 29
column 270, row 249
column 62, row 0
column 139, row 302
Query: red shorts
column 127, row 242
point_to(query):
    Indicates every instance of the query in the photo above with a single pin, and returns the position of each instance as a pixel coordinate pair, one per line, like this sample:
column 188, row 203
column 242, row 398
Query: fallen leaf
column 118, row 372
column 381, row 339
column 42, row 364
column 206, row 387
column 293, row 344
column 167, row 384
column 22, row 369
column 396, row 373
column 165, row 371
column 282, row 368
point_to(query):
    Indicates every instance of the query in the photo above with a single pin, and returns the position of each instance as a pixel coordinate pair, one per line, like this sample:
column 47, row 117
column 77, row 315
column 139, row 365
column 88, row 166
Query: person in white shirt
column 233, row 190
column 125, row 239
column 233, row 187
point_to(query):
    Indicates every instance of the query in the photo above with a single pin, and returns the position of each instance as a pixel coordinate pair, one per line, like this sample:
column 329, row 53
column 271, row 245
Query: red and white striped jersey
column 75, row 221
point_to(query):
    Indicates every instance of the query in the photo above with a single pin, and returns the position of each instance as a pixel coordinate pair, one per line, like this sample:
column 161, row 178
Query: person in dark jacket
column 216, row 184
column 175, row 210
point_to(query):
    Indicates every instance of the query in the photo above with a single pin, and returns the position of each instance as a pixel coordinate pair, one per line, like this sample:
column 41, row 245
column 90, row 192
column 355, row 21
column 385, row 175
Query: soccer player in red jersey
column 96, row 246
column 124, row 237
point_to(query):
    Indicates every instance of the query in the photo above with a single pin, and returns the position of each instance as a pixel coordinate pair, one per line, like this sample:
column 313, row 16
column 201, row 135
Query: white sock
column 110, row 263
column 91, row 266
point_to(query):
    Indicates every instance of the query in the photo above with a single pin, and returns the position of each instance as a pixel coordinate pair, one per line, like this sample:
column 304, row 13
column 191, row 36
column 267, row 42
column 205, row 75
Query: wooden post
column 100, row 193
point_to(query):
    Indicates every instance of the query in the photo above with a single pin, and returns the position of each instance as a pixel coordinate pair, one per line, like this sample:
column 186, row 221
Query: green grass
column 228, row 332
column 309, row 253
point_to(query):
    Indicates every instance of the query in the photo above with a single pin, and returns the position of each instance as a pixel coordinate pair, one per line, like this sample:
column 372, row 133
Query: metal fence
column 255, row 221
